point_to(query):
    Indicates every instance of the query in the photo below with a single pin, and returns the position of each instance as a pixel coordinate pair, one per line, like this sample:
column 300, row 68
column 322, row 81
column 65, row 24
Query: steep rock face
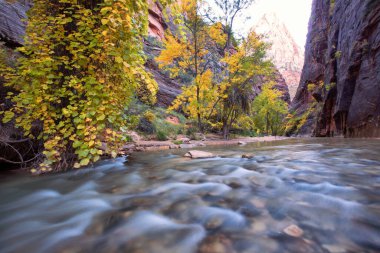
column 280, row 84
column 169, row 88
column 286, row 55
column 12, row 28
column 157, row 25
column 343, row 60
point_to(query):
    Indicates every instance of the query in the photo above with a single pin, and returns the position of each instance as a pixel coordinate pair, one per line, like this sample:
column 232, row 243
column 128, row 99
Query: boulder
column 184, row 140
column 174, row 146
column 197, row 154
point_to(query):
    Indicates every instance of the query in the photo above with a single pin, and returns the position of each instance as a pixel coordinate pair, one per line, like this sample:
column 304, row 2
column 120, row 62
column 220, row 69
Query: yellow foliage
column 217, row 34
column 84, row 64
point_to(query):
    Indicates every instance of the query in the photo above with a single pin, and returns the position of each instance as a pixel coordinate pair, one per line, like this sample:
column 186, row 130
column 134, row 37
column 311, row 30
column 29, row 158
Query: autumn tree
column 228, row 11
column 83, row 64
column 189, row 51
column 243, row 72
column 269, row 110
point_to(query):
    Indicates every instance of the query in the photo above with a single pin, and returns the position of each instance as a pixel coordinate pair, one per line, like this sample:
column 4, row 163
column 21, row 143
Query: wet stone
column 214, row 223
column 293, row 230
column 334, row 248
column 258, row 203
column 197, row 154
column 249, row 210
column 259, row 226
column 216, row 244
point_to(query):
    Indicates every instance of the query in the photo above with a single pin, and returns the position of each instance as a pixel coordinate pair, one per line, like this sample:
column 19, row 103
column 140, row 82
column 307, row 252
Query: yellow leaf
column 118, row 59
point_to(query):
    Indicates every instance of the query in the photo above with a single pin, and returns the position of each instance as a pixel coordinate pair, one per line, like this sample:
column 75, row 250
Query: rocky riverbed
column 289, row 196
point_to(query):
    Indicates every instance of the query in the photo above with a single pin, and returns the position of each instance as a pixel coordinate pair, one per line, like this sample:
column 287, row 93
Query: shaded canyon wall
column 340, row 81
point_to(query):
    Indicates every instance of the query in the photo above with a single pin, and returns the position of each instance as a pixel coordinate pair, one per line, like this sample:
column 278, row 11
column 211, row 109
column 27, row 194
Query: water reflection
column 162, row 202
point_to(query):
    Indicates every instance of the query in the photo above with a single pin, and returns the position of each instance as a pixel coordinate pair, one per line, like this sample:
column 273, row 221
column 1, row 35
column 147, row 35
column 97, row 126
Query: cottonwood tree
column 189, row 52
column 269, row 110
column 244, row 70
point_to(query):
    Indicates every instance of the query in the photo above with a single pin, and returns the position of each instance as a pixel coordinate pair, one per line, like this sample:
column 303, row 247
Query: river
column 326, row 192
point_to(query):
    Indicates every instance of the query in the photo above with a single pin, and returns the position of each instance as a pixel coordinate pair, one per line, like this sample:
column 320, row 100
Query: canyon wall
column 340, row 80
column 284, row 52
column 157, row 25
column 12, row 26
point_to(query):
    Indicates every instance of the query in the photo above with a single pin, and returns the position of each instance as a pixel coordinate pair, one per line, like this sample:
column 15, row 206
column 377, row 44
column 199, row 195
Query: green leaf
column 101, row 117
column 84, row 162
column 8, row 116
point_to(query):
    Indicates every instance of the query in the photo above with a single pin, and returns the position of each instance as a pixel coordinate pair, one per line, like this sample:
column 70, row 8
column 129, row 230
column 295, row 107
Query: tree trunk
column 199, row 122
column 226, row 130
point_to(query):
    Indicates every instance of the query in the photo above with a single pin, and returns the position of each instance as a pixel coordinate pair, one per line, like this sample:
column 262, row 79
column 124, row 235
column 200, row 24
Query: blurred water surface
column 161, row 202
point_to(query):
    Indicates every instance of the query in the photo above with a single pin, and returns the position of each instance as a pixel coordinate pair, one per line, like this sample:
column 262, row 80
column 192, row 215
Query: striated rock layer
column 286, row 55
column 343, row 61
column 157, row 25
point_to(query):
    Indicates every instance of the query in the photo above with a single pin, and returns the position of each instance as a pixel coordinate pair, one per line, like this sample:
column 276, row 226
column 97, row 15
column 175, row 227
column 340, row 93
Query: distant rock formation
column 286, row 55
column 343, row 60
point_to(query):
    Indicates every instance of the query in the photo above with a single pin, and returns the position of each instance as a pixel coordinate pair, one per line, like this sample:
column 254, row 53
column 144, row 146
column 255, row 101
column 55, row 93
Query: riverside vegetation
column 80, row 83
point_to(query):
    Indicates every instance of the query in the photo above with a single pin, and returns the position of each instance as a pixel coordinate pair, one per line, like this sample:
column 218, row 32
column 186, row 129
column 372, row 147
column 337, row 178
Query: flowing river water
column 326, row 190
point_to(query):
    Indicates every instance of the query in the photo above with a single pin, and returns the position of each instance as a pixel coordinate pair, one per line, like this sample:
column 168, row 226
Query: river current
column 327, row 191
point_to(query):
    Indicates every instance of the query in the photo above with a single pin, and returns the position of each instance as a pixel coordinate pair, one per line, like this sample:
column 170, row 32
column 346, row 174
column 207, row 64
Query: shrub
column 170, row 130
column 191, row 132
column 161, row 135
column 146, row 126
column 149, row 115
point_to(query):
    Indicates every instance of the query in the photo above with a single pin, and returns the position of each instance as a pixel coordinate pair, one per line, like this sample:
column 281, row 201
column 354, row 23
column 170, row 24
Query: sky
column 294, row 13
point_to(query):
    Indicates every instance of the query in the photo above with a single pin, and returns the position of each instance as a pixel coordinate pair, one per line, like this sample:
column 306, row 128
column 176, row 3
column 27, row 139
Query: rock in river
column 293, row 230
column 196, row 154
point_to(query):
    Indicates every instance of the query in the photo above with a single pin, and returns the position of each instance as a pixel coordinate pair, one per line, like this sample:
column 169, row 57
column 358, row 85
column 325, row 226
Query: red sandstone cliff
column 343, row 55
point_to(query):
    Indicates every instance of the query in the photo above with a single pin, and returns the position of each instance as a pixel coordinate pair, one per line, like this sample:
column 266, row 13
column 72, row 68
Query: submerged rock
column 294, row 231
column 197, row 154
column 217, row 244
